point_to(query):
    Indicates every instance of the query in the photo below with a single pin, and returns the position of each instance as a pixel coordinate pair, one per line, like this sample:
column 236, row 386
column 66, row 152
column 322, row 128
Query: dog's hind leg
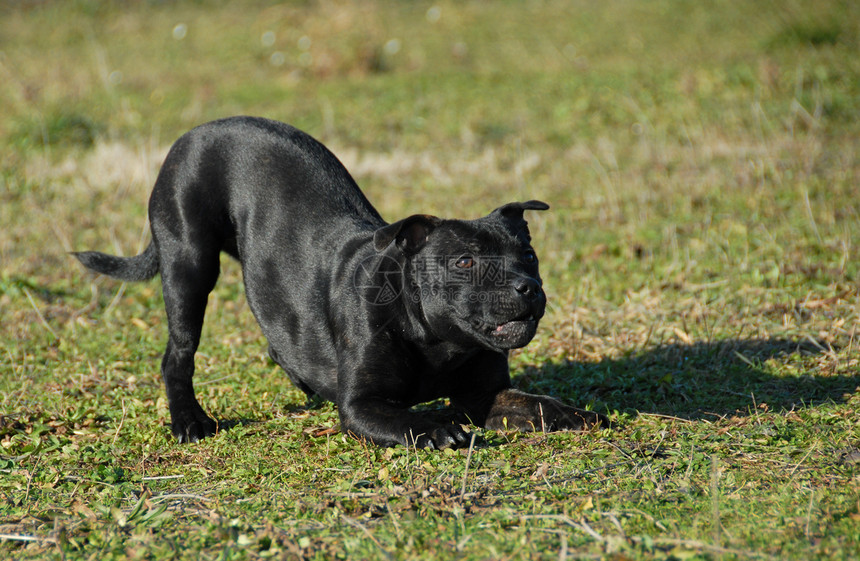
column 188, row 274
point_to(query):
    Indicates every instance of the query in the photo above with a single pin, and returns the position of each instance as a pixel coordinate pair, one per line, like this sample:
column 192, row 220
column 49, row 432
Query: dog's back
column 239, row 172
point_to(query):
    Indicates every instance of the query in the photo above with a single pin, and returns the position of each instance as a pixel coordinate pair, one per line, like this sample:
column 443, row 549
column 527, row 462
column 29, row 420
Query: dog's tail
column 138, row 268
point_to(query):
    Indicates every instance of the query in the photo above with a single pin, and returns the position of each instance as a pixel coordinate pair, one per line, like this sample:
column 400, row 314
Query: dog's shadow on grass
column 701, row 380
column 298, row 408
column 697, row 381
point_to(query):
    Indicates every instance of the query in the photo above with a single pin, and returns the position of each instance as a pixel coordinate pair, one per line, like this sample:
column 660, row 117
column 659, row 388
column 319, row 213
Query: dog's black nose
column 528, row 287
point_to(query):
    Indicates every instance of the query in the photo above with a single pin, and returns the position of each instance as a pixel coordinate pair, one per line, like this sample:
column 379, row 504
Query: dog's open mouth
column 510, row 334
column 514, row 327
column 492, row 327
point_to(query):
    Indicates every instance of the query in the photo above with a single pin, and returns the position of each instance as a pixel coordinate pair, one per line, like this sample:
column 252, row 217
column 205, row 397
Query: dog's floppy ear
column 410, row 233
column 514, row 211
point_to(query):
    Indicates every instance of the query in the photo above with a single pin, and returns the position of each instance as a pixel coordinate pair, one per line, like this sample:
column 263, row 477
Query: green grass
column 701, row 259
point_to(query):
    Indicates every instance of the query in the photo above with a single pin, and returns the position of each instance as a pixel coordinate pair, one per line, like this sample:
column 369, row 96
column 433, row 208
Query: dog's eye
column 530, row 258
column 465, row 262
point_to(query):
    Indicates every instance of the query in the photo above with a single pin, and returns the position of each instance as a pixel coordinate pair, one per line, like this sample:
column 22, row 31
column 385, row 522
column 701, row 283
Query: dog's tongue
column 509, row 326
column 513, row 327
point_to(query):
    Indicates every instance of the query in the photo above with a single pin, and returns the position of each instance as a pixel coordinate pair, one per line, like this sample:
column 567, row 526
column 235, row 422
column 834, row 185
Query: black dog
column 376, row 317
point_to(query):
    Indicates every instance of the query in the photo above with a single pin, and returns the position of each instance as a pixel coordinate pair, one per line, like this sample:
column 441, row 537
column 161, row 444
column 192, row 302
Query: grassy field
column 702, row 161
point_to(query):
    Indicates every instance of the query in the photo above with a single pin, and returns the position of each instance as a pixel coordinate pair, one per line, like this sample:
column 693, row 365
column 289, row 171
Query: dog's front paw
column 515, row 410
column 192, row 426
column 440, row 437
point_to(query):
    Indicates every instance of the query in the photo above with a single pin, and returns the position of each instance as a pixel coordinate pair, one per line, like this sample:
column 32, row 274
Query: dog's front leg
column 485, row 394
column 386, row 424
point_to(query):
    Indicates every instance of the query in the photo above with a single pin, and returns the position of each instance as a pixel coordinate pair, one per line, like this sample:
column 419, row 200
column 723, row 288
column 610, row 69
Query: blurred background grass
column 701, row 159
column 679, row 144
column 700, row 256
column 676, row 142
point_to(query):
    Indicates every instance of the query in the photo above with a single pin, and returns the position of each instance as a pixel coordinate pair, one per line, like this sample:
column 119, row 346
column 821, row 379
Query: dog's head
column 471, row 281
